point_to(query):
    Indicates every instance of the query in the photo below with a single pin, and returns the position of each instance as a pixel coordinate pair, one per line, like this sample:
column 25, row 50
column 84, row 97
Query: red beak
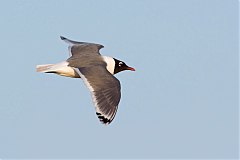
column 131, row 69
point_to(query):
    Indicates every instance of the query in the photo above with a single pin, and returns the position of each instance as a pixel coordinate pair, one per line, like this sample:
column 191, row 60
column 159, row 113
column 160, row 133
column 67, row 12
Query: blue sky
column 182, row 101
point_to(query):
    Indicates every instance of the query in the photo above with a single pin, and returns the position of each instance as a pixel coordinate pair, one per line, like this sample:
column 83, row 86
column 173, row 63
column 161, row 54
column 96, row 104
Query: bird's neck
column 110, row 63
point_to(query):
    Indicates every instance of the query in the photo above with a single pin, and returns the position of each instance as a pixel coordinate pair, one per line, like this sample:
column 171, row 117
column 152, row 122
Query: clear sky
column 182, row 101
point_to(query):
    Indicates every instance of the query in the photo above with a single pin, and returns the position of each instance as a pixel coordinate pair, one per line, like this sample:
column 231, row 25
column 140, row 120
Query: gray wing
column 75, row 48
column 105, row 91
column 104, row 87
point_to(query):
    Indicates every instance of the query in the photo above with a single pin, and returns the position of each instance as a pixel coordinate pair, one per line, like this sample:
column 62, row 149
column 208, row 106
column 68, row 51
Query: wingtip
column 103, row 119
column 62, row 38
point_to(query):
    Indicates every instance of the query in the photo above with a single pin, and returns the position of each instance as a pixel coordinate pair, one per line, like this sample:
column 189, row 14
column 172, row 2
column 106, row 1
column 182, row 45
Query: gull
column 97, row 73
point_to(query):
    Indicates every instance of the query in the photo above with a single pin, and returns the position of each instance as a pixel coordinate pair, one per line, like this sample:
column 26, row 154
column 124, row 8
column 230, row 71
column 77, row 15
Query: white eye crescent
column 120, row 63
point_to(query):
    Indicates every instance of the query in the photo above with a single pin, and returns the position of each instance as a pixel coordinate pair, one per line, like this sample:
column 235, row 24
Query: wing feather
column 105, row 91
column 76, row 48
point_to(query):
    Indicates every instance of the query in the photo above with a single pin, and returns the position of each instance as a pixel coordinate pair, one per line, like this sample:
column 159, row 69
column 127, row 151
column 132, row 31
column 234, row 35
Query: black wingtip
column 62, row 38
column 103, row 119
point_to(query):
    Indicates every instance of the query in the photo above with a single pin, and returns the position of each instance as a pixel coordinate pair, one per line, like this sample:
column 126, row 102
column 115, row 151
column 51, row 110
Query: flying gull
column 96, row 72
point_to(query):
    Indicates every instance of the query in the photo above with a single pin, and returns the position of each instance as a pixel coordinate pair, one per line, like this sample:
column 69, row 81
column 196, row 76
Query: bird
column 96, row 71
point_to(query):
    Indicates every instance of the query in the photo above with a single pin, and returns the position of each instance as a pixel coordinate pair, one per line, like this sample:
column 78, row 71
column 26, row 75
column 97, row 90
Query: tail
column 61, row 69
column 45, row 68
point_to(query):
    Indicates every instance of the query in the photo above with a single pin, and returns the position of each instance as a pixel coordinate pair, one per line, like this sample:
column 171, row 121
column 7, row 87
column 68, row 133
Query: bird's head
column 121, row 66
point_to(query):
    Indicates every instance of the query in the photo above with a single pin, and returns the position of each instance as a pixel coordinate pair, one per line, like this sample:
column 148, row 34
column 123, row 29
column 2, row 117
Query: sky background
column 182, row 101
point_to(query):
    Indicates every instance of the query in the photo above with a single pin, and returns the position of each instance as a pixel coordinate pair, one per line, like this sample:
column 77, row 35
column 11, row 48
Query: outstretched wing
column 105, row 91
column 76, row 48
column 104, row 87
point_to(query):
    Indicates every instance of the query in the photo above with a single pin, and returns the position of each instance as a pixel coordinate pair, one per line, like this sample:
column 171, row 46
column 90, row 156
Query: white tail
column 44, row 67
column 60, row 68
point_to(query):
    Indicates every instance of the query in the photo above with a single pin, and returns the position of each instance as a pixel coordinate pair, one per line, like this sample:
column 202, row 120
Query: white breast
column 110, row 63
